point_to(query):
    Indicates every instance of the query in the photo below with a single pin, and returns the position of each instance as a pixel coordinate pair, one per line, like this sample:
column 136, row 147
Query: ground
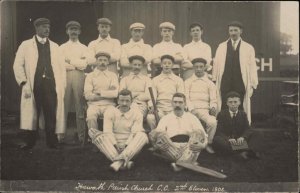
column 278, row 164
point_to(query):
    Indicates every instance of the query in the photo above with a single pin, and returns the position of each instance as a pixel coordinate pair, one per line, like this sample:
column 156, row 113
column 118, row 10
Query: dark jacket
column 233, row 127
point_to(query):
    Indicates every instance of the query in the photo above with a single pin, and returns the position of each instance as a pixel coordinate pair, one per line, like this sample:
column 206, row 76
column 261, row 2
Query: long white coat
column 248, row 70
column 24, row 68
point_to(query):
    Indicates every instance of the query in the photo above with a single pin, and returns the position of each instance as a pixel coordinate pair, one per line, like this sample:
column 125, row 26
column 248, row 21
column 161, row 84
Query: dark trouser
column 222, row 146
column 46, row 101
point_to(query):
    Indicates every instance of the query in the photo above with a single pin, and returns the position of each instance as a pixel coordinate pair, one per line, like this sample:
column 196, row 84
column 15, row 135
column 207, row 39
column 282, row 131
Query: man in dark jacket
column 233, row 131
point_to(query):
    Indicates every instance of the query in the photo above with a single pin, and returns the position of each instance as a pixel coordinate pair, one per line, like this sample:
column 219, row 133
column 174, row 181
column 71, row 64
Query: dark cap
column 104, row 21
column 73, row 24
column 101, row 53
column 201, row 60
column 196, row 24
column 168, row 57
column 41, row 21
column 232, row 94
column 236, row 24
column 136, row 57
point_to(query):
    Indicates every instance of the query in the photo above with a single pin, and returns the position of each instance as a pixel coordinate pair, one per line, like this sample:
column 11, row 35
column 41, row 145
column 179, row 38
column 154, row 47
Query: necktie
column 234, row 45
column 233, row 114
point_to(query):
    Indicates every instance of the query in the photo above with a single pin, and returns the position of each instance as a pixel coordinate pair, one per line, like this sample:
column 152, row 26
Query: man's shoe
column 130, row 165
column 116, row 165
column 209, row 149
column 244, row 155
column 175, row 167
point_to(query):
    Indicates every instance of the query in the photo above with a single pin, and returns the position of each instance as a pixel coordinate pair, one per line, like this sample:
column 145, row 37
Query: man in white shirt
column 135, row 46
column 105, row 43
column 166, row 46
column 138, row 84
column 165, row 86
column 201, row 96
column 195, row 49
column 75, row 56
column 123, row 135
column 100, row 90
column 179, row 135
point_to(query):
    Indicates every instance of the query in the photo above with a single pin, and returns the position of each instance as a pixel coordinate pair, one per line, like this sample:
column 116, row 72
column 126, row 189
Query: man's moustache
column 177, row 108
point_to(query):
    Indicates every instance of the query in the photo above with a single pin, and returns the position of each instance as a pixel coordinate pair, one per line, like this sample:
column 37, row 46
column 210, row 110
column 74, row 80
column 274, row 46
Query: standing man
column 135, row 46
column 179, row 135
column 235, row 69
column 201, row 99
column 123, row 135
column 105, row 43
column 75, row 56
column 100, row 90
column 166, row 47
column 40, row 72
column 138, row 84
column 165, row 86
column 195, row 49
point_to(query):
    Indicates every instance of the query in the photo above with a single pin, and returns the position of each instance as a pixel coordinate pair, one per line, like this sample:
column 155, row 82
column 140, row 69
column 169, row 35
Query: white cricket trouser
column 209, row 120
column 105, row 143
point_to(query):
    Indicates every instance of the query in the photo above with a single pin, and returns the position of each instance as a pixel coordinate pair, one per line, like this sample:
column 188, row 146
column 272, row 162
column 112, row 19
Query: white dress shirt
column 169, row 48
column 233, row 113
column 101, row 81
column 135, row 48
column 198, row 50
column 77, row 53
column 174, row 125
column 108, row 44
column 138, row 85
column 201, row 93
column 122, row 125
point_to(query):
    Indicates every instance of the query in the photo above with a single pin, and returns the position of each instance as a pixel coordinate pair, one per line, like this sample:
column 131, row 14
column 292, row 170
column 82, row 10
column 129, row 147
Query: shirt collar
column 71, row 42
column 107, row 38
column 127, row 115
column 198, row 42
column 169, row 42
column 236, row 40
column 97, row 72
column 132, row 76
column 204, row 77
column 41, row 39
column 231, row 113
column 164, row 76
column 136, row 43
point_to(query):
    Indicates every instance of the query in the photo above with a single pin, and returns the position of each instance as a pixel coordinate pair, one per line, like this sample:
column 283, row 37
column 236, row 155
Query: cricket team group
column 180, row 109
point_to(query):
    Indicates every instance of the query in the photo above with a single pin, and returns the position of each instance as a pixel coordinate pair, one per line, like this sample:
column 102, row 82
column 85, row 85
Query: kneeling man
column 179, row 135
column 123, row 135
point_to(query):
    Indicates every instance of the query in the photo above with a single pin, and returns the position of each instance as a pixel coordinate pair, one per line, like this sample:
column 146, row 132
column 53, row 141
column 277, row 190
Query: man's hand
column 67, row 60
column 251, row 91
column 112, row 88
column 194, row 112
column 213, row 111
column 232, row 141
column 196, row 147
column 27, row 93
column 240, row 141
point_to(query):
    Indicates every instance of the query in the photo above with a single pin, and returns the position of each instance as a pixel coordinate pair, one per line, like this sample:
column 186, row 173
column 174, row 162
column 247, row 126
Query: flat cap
column 102, row 53
column 137, row 26
column 196, row 24
column 201, row 60
column 236, row 24
column 167, row 25
column 136, row 57
column 73, row 24
column 104, row 21
column 167, row 56
column 41, row 21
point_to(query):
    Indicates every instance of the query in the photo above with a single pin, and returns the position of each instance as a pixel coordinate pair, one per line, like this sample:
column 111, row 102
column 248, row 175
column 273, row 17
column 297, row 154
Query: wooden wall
column 260, row 19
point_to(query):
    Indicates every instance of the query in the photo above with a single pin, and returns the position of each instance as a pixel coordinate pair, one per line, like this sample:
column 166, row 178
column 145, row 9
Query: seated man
column 100, row 89
column 179, row 135
column 165, row 86
column 123, row 135
column 201, row 98
column 138, row 84
column 233, row 130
